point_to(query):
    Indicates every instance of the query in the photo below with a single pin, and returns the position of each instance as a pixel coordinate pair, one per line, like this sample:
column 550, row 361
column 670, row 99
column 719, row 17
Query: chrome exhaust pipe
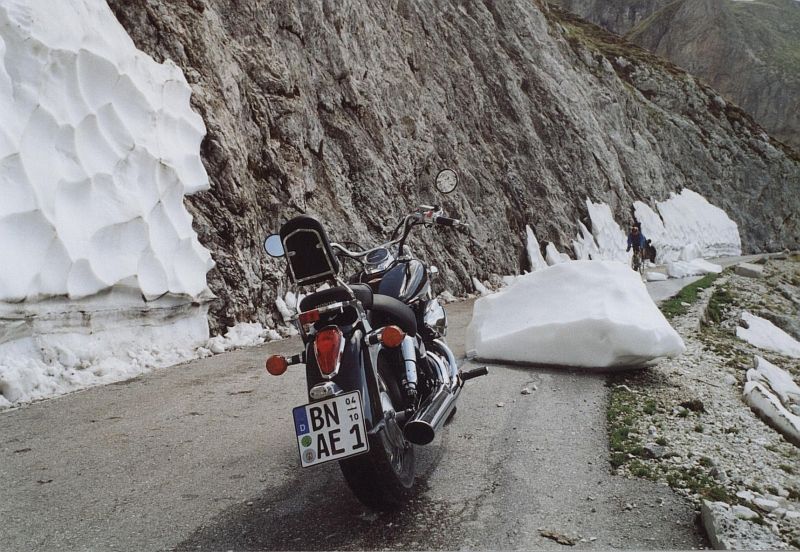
column 431, row 415
column 437, row 408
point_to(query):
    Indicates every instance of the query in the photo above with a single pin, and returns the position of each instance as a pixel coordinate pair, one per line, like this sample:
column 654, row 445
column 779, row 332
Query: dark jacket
column 637, row 242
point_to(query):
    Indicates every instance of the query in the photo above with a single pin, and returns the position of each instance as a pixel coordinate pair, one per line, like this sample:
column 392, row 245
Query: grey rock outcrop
column 346, row 110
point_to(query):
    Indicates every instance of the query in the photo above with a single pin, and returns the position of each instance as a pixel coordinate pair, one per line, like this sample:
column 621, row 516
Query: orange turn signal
column 277, row 365
column 392, row 336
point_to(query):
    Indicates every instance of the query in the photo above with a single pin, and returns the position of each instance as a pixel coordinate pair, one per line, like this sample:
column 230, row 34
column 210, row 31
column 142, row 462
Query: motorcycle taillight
column 328, row 347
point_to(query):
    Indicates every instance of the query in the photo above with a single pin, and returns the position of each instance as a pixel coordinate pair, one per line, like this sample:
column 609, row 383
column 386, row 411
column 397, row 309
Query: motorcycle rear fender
column 356, row 373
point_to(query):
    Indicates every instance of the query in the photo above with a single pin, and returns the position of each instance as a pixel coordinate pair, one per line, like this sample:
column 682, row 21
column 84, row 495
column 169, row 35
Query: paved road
column 202, row 456
column 667, row 288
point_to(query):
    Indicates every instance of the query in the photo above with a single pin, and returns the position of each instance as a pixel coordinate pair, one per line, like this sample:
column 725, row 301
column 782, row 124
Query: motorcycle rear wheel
column 383, row 478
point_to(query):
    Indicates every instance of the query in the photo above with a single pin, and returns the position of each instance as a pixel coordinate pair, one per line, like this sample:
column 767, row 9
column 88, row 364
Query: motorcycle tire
column 383, row 478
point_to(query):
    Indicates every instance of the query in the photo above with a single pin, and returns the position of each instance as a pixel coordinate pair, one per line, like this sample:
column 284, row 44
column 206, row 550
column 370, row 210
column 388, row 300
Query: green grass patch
column 621, row 417
column 787, row 468
column 721, row 300
column 698, row 481
column 675, row 306
column 640, row 469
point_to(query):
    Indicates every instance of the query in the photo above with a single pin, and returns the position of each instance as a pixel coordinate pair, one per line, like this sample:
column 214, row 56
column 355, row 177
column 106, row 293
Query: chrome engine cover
column 436, row 318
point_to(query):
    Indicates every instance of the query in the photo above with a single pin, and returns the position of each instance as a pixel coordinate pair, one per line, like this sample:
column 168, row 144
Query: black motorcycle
column 381, row 379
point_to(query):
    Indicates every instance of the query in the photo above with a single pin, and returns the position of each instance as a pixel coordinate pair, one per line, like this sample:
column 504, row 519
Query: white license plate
column 331, row 429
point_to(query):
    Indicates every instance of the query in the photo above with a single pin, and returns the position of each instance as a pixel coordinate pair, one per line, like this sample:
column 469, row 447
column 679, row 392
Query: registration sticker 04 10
column 331, row 429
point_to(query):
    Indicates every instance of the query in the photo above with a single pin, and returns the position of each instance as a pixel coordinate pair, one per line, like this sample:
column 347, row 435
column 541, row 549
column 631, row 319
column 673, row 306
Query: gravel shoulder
column 684, row 423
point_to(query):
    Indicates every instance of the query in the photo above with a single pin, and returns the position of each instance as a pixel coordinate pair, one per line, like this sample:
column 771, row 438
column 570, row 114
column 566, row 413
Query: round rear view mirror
column 273, row 246
column 446, row 181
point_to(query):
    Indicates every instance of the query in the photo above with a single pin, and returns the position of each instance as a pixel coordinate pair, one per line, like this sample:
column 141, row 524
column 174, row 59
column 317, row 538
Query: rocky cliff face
column 749, row 51
column 347, row 109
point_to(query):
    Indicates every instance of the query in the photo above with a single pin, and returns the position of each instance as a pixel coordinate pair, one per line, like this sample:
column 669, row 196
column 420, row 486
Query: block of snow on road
column 766, row 335
column 592, row 314
column 653, row 276
column 774, row 396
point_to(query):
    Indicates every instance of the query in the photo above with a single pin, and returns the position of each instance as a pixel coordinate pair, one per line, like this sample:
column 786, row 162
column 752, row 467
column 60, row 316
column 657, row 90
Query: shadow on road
column 316, row 511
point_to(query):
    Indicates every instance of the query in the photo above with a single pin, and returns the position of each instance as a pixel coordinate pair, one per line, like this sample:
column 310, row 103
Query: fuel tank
column 406, row 281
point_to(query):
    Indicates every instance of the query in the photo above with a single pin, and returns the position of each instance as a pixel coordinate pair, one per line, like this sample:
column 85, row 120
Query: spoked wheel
column 383, row 478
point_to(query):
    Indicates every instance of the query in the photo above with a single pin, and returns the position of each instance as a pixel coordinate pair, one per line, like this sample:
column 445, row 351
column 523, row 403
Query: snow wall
column 688, row 220
column 684, row 227
column 98, row 146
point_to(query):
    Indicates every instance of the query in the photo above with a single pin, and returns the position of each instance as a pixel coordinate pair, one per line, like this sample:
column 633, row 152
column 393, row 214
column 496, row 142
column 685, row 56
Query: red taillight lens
column 392, row 336
column 308, row 317
column 327, row 348
column 277, row 365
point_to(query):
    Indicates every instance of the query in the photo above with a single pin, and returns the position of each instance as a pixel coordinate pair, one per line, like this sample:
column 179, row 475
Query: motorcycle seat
column 382, row 309
column 388, row 310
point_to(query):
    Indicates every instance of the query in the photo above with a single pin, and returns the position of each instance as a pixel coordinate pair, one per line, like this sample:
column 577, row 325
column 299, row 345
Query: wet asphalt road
column 202, row 456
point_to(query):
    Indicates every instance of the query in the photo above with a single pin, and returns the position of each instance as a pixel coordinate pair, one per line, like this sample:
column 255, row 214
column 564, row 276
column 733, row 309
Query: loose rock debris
column 560, row 538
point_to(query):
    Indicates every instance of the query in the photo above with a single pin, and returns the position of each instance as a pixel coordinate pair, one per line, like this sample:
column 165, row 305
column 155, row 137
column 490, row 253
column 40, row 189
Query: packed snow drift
column 688, row 219
column 766, row 335
column 97, row 149
column 685, row 228
column 694, row 267
column 593, row 314
column 773, row 395
column 53, row 364
column 102, row 275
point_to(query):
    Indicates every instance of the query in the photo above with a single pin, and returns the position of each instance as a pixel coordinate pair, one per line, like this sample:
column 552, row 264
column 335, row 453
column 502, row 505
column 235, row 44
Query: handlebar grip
column 474, row 373
column 446, row 221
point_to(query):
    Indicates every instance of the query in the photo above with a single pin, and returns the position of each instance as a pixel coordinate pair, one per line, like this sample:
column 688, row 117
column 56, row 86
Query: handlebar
column 428, row 215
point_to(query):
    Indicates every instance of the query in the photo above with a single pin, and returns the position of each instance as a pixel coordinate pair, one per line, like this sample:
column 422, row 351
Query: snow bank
column 479, row 287
column 98, row 147
column 51, row 364
column 102, row 275
column 593, row 314
column 244, row 334
column 685, row 219
column 765, row 335
column 610, row 239
column 584, row 245
column 775, row 397
column 695, row 267
column 534, row 251
column 554, row 256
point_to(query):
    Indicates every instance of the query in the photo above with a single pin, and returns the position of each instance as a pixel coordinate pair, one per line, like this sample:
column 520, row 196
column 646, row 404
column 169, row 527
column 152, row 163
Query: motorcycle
column 381, row 379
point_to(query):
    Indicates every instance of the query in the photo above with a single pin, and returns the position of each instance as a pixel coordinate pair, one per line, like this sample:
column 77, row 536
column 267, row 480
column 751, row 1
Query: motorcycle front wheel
column 383, row 478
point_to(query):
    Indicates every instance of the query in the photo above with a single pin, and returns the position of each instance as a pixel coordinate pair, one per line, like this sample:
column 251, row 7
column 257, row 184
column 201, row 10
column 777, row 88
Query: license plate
column 331, row 429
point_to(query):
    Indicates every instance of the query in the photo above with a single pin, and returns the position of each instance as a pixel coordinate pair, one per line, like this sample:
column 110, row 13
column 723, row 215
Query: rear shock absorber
column 410, row 361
